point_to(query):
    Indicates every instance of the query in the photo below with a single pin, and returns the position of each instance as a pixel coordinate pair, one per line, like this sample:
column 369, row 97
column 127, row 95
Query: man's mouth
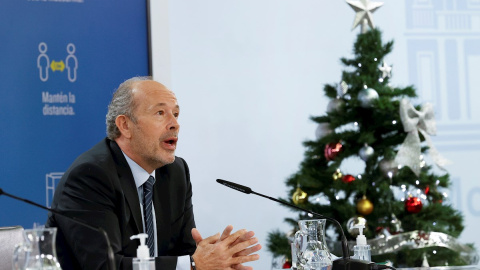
column 170, row 143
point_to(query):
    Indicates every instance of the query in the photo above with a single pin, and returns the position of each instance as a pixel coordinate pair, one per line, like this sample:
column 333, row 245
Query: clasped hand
column 227, row 251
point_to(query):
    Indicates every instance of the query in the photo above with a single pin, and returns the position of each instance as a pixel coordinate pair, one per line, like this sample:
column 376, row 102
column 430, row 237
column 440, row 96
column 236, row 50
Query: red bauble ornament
column 332, row 150
column 287, row 264
column 348, row 178
column 413, row 205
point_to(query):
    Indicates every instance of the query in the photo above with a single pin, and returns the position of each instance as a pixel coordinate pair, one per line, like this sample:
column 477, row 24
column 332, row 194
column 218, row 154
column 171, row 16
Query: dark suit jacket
column 99, row 189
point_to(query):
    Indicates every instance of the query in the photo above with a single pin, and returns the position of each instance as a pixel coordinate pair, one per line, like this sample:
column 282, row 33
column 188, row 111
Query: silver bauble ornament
column 323, row 129
column 366, row 152
column 357, row 220
column 335, row 105
column 367, row 96
column 388, row 166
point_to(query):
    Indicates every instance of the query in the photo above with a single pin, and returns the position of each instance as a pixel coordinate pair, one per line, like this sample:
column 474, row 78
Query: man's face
column 155, row 133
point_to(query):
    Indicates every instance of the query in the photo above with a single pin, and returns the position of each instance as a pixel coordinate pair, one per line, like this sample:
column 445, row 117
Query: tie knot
column 149, row 184
column 151, row 180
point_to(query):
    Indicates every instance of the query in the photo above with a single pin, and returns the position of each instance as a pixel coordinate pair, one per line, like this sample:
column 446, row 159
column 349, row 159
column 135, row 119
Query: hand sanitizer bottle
column 143, row 261
column 362, row 250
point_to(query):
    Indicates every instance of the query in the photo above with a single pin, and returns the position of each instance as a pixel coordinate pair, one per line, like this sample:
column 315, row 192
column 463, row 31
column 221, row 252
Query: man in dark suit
column 106, row 187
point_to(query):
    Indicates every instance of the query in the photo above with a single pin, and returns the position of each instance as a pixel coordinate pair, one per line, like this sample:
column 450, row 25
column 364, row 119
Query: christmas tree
column 399, row 196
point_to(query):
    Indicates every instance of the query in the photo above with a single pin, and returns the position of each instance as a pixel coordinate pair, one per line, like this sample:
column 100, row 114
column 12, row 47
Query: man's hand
column 226, row 251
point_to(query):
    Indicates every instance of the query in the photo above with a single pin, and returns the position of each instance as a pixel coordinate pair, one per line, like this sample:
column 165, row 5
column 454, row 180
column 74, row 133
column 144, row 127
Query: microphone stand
column 111, row 258
column 345, row 263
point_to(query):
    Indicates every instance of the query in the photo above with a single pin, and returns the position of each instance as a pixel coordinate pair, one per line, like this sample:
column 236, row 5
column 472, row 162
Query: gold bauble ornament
column 299, row 196
column 364, row 206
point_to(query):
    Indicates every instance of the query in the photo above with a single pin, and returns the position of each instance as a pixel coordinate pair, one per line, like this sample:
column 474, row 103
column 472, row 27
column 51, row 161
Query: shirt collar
column 139, row 174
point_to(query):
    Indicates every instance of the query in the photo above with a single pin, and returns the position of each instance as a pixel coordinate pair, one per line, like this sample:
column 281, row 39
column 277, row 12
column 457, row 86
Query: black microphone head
column 238, row 187
column 1, row 191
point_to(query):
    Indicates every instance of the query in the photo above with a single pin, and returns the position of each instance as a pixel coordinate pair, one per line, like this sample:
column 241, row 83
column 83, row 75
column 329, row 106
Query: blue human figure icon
column 71, row 63
column 43, row 62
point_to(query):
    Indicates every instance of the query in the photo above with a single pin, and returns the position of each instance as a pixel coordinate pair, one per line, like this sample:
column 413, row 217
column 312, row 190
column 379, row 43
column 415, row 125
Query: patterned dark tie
column 147, row 213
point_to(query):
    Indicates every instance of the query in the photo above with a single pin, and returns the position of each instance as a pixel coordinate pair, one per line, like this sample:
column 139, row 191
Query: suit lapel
column 128, row 184
column 163, row 202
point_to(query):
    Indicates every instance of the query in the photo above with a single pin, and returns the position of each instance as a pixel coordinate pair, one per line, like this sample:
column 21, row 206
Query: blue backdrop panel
column 60, row 62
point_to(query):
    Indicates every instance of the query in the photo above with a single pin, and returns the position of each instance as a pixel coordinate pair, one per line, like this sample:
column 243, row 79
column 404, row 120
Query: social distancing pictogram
column 46, row 66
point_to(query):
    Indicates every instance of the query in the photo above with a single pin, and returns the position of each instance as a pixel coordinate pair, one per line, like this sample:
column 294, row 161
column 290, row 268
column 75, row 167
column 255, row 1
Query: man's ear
column 124, row 124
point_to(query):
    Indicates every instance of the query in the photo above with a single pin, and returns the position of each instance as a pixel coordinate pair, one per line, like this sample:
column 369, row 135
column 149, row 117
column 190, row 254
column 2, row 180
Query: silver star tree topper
column 364, row 10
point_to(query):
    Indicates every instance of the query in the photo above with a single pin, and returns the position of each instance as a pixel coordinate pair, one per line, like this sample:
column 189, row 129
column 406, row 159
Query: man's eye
column 160, row 112
column 176, row 115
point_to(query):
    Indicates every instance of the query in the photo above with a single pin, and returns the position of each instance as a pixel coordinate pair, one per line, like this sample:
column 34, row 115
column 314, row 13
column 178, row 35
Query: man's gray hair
column 122, row 104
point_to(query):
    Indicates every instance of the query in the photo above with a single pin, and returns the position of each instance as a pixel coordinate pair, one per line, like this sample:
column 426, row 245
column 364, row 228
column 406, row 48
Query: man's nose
column 173, row 123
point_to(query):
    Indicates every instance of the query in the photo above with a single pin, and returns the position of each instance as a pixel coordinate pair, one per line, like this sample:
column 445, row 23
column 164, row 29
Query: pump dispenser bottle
column 362, row 251
column 143, row 261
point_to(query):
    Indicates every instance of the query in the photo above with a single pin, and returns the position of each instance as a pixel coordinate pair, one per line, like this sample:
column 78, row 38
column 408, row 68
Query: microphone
column 111, row 259
column 340, row 264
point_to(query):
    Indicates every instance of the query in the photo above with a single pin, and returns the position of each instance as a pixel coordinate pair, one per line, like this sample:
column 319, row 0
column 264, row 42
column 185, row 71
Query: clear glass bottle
column 310, row 247
column 37, row 250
